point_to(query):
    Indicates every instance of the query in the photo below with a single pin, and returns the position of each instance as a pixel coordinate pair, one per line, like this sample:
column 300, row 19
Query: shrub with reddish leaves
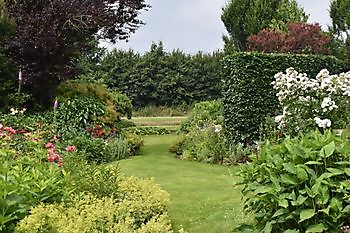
column 300, row 38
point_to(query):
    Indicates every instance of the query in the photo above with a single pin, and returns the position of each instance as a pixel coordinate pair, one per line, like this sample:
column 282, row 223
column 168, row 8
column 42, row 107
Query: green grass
column 157, row 121
column 203, row 196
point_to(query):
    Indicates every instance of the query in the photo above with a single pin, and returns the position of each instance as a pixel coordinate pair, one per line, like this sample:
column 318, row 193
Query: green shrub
column 135, row 142
column 203, row 139
column 24, row 183
column 300, row 185
column 141, row 207
column 99, row 180
column 249, row 96
column 147, row 130
column 203, row 114
column 114, row 104
column 78, row 112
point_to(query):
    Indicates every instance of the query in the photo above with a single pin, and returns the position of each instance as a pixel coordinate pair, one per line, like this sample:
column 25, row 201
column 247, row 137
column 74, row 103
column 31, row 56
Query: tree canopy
column 243, row 18
column 50, row 34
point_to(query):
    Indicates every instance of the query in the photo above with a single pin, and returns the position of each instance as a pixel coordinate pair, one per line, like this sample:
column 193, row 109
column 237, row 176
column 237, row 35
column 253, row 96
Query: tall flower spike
column 20, row 77
column 55, row 105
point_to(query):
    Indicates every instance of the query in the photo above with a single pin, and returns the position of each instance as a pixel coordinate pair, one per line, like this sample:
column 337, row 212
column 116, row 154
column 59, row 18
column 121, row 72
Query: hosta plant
column 300, row 185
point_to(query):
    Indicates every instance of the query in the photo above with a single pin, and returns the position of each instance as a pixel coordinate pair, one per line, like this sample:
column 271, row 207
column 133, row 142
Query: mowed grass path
column 203, row 197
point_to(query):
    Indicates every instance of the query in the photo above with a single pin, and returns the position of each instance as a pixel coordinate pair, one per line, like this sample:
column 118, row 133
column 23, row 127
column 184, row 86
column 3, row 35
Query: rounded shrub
column 300, row 185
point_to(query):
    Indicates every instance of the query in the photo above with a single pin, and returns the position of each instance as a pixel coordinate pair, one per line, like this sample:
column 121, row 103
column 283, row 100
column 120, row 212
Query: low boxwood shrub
column 300, row 185
column 249, row 96
column 141, row 206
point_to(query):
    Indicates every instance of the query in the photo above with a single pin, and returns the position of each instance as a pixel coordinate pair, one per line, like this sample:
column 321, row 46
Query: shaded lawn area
column 203, row 196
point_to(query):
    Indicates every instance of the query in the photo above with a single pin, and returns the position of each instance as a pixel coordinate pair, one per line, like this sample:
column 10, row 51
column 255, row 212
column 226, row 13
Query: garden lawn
column 158, row 121
column 203, row 196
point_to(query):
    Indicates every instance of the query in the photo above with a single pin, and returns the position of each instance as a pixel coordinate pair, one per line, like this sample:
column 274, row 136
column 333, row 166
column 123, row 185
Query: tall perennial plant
column 312, row 102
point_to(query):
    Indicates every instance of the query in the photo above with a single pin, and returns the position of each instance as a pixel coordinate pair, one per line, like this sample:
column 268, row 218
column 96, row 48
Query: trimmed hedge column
column 249, row 96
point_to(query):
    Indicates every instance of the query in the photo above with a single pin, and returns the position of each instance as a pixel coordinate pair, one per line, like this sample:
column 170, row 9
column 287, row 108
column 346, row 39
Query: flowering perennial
column 308, row 102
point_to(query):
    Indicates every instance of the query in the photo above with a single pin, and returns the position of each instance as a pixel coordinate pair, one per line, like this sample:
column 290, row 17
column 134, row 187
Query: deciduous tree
column 51, row 33
column 243, row 18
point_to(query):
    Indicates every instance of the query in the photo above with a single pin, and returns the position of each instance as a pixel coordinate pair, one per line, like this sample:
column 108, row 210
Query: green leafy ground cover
column 203, row 196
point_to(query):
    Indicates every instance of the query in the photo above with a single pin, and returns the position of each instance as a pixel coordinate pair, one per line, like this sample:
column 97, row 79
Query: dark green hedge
column 164, row 78
column 248, row 93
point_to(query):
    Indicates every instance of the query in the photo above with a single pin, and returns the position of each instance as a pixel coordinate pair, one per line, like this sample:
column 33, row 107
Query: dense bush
column 300, row 185
column 114, row 104
column 202, row 137
column 249, row 96
column 140, row 206
column 163, row 79
column 300, row 38
column 24, row 183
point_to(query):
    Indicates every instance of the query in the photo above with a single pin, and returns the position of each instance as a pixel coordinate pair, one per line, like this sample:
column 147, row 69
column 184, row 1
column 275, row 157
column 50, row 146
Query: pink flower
column 51, row 151
column 70, row 148
column 1, row 126
column 10, row 130
column 49, row 145
column 50, row 158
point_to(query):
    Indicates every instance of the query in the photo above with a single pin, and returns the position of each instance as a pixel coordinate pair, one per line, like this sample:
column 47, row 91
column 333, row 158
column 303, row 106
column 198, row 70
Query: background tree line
column 158, row 77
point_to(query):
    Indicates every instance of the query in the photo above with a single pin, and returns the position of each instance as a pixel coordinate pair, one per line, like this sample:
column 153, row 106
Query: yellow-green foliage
column 140, row 208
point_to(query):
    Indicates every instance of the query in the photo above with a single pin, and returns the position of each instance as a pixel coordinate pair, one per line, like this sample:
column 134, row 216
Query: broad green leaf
column 280, row 212
column 302, row 174
column 268, row 227
column 313, row 163
column 335, row 171
column 291, row 231
column 347, row 171
column 289, row 167
column 301, row 199
column 263, row 189
column 283, row 203
column 336, row 204
column 346, row 209
column 326, row 211
column 306, row 214
column 316, row 228
column 327, row 150
column 288, row 179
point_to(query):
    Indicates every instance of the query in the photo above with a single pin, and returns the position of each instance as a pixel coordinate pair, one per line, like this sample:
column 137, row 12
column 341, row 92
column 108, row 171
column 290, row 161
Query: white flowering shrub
column 312, row 102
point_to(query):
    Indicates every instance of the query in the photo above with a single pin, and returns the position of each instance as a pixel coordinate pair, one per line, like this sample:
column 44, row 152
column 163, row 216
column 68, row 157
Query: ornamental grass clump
column 322, row 102
column 300, row 185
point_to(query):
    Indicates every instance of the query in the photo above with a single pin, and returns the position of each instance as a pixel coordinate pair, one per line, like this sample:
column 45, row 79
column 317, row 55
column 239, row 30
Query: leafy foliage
column 243, row 18
column 50, row 34
column 140, row 206
column 163, row 79
column 84, row 103
column 300, row 38
column 249, row 96
column 300, row 185
column 340, row 29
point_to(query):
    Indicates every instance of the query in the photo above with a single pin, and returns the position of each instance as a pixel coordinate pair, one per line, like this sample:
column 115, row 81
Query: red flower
column 49, row 145
column 70, row 148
